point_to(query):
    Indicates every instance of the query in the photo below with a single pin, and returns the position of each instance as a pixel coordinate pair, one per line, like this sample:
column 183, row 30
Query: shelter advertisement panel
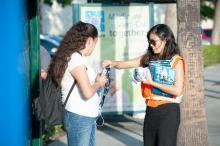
column 122, row 36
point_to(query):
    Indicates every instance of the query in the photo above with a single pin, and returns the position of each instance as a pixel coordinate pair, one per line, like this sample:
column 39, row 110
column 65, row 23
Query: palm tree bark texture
column 193, row 129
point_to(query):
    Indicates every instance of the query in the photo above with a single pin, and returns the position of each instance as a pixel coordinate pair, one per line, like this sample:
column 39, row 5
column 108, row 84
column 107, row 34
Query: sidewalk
column 126, row 131
column 212, row 103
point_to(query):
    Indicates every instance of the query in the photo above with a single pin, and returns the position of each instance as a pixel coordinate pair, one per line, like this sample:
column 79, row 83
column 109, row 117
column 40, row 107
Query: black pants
column 161, row 125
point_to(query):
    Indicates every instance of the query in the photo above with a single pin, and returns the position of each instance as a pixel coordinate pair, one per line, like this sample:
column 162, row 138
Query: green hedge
column 211, row 55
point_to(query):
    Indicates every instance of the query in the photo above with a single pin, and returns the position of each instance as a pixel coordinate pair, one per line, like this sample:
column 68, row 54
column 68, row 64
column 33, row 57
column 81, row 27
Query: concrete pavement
column 212, row 103
column 127, row 131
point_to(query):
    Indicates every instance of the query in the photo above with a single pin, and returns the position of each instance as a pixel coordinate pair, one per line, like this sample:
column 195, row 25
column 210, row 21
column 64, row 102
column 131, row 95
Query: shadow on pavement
column 122, row 129
column 57, row 143
column 212, row 93
column 212, row 81
column 121, row 136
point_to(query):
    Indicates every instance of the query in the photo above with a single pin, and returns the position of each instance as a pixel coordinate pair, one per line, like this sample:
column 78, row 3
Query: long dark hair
column 165, row 34
column 74, row 41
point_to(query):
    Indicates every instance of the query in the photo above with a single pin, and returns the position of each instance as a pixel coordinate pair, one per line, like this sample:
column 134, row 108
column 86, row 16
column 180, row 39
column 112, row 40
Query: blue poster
column 162, row 73
column 96, row 18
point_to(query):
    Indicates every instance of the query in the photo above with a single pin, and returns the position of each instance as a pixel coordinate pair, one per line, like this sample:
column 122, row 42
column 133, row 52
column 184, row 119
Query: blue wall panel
column 14, row 85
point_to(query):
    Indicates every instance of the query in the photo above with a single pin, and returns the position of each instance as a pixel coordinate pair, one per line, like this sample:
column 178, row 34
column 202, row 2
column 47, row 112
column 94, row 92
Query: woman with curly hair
column 69, row 65
column 162, row 88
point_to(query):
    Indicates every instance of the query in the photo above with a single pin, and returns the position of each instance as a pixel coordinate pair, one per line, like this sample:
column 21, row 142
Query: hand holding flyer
column 140, row 74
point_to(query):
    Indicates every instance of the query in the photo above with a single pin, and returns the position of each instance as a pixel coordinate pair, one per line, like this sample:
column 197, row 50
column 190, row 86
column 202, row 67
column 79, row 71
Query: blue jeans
column 80, row 129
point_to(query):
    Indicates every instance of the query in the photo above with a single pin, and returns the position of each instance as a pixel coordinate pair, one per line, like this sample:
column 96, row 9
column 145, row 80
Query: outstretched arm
column 123, row 64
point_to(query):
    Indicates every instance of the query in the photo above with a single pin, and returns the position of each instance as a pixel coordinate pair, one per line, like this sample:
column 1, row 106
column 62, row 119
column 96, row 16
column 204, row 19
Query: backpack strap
column 71, row 89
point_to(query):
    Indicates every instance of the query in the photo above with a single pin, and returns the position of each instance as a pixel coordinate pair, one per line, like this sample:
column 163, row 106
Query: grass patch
column 211, row 55
column 52, row 133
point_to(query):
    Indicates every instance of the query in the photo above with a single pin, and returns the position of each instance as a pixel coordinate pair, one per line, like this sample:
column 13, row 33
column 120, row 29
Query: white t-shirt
column 76, row 102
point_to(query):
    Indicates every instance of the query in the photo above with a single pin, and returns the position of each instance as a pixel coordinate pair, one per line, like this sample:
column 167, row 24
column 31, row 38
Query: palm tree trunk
column 216, row 27
column 193, row 129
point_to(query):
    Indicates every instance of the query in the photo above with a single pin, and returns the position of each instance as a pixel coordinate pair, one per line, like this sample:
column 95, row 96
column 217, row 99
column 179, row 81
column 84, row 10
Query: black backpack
column 48, row 106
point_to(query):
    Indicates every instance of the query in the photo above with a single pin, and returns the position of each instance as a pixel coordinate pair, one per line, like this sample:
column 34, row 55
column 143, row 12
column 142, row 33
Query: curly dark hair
column 164, row 33
column 74, row 41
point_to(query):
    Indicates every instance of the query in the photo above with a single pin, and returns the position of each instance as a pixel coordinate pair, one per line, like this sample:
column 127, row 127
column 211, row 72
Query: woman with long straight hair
column 162, row 87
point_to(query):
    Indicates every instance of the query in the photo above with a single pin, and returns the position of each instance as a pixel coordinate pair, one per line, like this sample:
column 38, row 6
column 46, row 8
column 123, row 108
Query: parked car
column 206, row 36
column 51, row 43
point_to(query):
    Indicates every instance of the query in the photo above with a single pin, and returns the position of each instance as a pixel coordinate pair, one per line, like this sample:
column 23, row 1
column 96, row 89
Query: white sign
column 122, row 36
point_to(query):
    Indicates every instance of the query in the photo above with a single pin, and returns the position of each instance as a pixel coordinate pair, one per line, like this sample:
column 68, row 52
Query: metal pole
column 151, row 12
column 34, row 43
column 76, row 12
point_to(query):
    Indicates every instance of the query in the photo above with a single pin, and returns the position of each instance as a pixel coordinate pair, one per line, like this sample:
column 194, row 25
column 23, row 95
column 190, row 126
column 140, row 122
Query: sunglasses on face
column 153, row 42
